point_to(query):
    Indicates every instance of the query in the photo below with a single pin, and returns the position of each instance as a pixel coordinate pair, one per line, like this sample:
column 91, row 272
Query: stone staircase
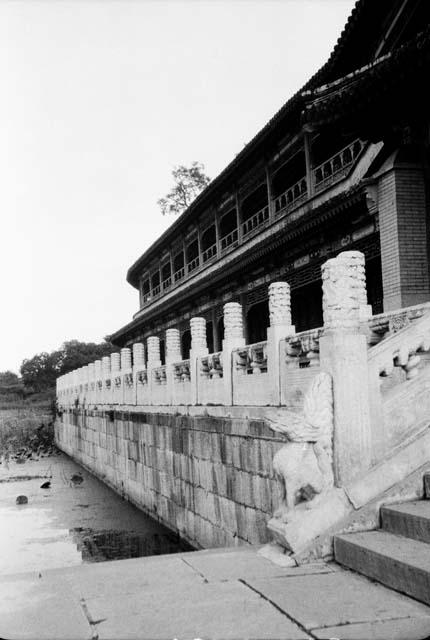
column 397, row 554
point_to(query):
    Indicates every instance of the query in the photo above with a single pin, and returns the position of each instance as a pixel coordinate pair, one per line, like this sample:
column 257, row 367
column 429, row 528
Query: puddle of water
column 66, row 525
column 98, row 546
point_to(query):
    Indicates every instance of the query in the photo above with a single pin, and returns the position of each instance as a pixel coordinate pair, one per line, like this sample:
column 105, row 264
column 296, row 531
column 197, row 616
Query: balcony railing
column 337, row 166
column 256, row 220
column 193, row 264
column 229, row 240
column 324, row 175
column 209, row 253
column 179, row 274
column 166, row 283
column 292, row 195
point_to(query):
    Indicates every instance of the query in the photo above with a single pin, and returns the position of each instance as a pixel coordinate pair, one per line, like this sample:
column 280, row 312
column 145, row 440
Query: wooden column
column 308, row 160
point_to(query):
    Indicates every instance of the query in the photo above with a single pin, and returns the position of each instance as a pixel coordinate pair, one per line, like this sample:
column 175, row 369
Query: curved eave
column 384, row 89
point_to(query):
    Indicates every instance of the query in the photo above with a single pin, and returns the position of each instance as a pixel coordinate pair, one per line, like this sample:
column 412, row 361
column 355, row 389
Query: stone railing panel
column 399, row 377
column 181, row 393
column 299, row 363
column 210, row 385
column 143, row 396
column 159, row 389
column 251, row 384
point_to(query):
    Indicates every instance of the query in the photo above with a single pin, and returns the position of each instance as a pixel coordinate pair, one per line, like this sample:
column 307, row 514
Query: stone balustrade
column 367, row 356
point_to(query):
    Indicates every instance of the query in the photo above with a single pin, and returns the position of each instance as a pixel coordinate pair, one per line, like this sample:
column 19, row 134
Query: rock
column 21, row 500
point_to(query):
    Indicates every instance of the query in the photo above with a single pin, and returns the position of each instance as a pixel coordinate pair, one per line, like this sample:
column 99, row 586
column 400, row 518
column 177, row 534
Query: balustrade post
column 91, row 383
column 343, row 354
column 280, row 328
column 198, row 349
column 233, row 338
column 115, row 365
column 107, row 382
column 85, row 384
column 154, row 361
column 126, row 370
column 98, row 379
column 173, row 354
column 138, row 365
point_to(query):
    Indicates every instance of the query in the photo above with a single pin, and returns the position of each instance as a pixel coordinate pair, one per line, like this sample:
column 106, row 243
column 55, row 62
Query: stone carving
column 344, row 290
column 279, row 304
column 153, row 345
column 138, row 353
column 125, row 358
column 173, row 345
column 233, row 321
column 115, row 360
column 142, row 377
column 198, row 334
column 106, row 366
column 128, row 379
column 304, row 464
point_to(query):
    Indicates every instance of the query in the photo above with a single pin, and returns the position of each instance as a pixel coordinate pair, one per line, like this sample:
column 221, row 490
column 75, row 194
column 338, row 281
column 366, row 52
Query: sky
column 100, row 100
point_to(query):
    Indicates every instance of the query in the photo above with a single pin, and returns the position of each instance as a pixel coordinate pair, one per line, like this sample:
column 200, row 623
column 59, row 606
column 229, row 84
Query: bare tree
column 189, row 182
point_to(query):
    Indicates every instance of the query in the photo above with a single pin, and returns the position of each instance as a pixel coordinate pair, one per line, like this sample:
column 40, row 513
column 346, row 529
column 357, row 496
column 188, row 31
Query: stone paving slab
column 30, row 609
column 397, row 629
column 338, row 598
column 224, row 566
column 213, row 610
column 204, row 595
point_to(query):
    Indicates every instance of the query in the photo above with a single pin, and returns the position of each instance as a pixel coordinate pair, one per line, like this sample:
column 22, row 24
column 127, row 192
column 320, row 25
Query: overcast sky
column 99, row 101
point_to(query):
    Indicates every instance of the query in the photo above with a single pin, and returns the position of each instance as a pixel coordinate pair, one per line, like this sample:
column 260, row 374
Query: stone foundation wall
column 208, row 478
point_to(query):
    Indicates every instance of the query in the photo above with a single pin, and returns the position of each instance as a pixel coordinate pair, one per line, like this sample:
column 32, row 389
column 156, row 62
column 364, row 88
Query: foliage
column 189, row 182
column 41, row 371
column 8, row 378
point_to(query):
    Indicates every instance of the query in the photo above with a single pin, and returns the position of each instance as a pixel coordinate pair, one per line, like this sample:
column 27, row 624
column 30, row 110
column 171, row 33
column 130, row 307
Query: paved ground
column 224, row 593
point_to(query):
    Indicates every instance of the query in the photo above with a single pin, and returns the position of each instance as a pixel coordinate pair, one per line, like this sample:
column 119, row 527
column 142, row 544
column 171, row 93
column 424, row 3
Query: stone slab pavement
column 220, row 593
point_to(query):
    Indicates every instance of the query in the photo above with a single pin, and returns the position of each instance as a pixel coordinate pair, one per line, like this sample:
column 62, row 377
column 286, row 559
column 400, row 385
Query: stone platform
column 222, row 593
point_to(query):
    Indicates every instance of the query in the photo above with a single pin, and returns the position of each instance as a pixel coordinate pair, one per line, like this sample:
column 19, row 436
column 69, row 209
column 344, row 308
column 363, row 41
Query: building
column 332, row 191
column 342, row 165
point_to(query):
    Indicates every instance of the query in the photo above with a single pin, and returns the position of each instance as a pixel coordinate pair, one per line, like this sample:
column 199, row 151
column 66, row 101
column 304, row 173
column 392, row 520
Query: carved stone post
column 85, row 384
column 355, row 261
column 233, row 338
column 173, row 354
column 126, row 372
column 99, row 385
column 138, row 365
column 198, row 349
column 107, row 382
column 91, row 382
column 343, row 354
column 153, row 351
column 115, row 365
column 280, row 327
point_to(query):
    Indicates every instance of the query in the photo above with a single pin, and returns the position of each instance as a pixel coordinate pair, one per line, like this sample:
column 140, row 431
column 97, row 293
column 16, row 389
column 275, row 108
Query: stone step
column 411, row 519
column 400, row 563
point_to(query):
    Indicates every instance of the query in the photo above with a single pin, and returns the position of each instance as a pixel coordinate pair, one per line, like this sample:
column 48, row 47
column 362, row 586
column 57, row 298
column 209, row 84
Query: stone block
column 215, row 447
column 241, row 520
column 206, row 445
column 219, row 479
column 262, row 493
column 235, row 452
column 228, row 514
column 257, row 531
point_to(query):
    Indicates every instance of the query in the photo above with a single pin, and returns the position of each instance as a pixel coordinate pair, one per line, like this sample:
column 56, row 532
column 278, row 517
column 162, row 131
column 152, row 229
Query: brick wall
column 403, row 234
column 208, row 478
